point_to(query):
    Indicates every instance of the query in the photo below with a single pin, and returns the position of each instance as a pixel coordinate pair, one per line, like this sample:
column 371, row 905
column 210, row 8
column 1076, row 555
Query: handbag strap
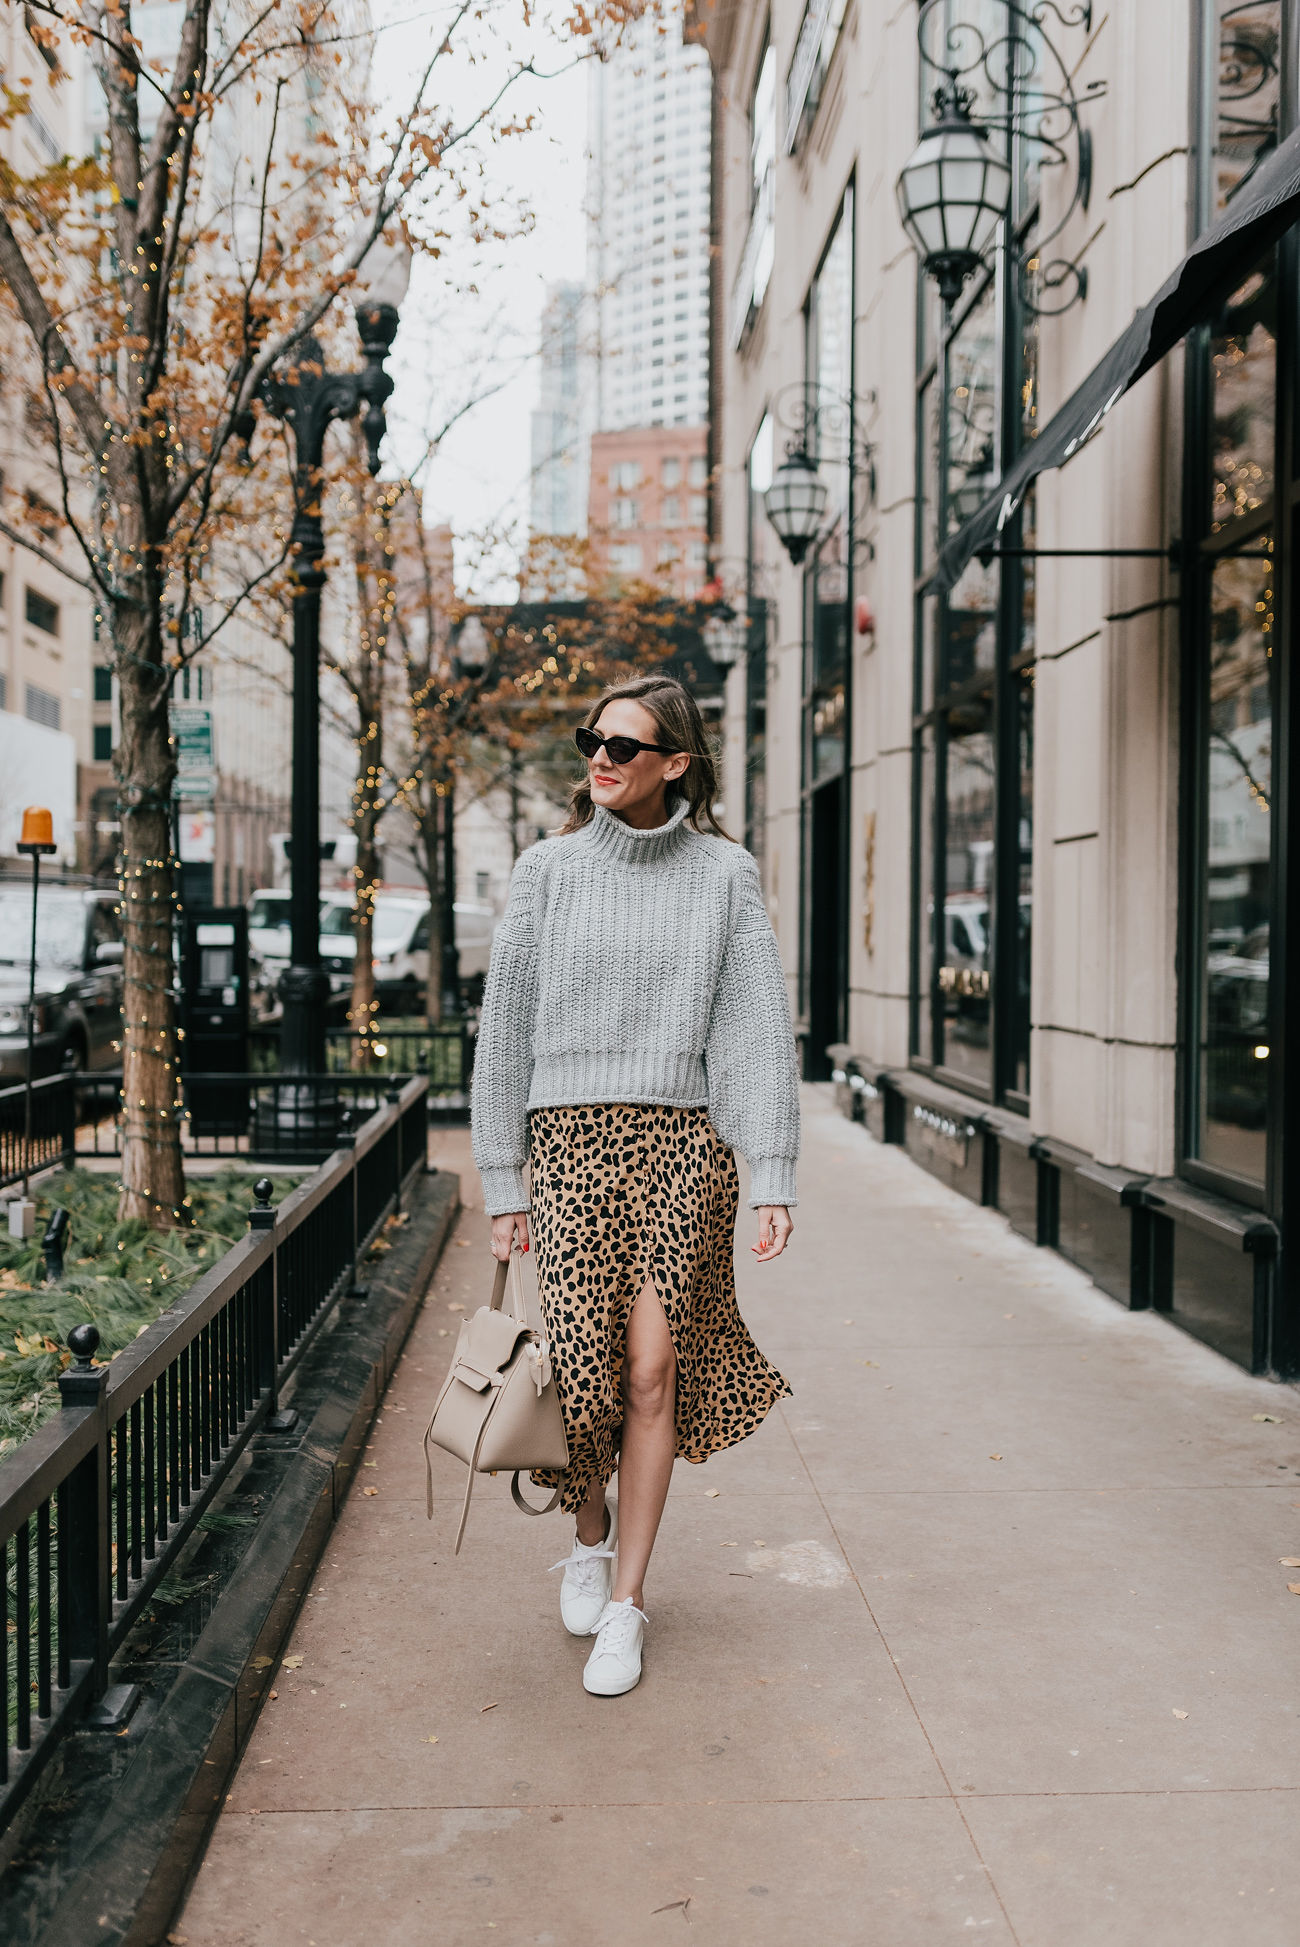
column 509, row 1267
column 522, row 1505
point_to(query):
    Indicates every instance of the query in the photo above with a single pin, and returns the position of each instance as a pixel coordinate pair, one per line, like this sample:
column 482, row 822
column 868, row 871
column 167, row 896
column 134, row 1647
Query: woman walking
column 635, row 1031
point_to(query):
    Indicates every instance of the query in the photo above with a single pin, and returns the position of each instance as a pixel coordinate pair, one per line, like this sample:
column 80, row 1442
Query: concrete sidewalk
column 985, row 1634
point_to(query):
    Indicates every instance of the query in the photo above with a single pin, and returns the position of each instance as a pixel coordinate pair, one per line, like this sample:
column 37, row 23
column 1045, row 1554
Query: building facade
column 557, row 480
column 648, row 230
column 1015, row 751
column 647, row 516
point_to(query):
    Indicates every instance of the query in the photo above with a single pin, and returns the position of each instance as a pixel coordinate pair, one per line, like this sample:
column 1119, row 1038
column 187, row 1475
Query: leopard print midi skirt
column 621, row 1194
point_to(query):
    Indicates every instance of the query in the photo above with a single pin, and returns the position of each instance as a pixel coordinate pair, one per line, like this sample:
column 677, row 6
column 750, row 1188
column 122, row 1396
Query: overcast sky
column 455, row 341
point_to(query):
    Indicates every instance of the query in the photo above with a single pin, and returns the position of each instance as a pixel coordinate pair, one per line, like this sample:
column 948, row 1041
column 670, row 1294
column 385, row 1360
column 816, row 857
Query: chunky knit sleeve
column 503, row 1059
column 750, row 1051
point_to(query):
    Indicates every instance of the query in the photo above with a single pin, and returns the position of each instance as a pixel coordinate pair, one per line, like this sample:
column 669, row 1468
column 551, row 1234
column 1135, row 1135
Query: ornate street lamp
column 725, row 635
column 307, row 398
column 953, row 193
column 795, row 503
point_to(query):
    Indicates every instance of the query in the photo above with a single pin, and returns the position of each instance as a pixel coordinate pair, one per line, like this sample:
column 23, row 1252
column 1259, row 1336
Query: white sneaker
column 614, row 1665
column 588, row 1579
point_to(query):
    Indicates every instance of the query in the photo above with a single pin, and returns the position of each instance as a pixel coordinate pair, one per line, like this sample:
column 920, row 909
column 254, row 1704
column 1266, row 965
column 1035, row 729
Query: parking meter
column 214, row 1015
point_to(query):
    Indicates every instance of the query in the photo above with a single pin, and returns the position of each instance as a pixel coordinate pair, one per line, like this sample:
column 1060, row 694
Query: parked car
column 402, row 947
column 269, row 944
column 78, row 1003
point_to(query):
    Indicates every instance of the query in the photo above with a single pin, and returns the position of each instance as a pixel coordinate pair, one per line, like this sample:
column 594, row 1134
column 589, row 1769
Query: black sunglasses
column 621, row 749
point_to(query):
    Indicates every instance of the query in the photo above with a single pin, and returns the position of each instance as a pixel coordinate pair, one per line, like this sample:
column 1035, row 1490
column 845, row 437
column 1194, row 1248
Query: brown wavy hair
column 680, row 726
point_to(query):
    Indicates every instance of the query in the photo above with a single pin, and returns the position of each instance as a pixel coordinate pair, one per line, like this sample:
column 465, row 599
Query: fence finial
column 82, row 1384
column 262, row 1216
column 83, row 1343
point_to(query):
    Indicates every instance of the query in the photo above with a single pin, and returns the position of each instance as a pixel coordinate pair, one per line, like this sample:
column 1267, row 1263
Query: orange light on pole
column 38, row 832
column 36, row 841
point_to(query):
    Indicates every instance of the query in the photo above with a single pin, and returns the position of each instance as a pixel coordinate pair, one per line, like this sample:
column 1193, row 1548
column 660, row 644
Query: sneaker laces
column 615, row 1627
column 581, row 1562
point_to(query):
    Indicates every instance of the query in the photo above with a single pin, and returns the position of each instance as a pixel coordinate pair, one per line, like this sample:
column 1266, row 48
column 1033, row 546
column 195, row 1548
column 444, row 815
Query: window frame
column 1202, row 551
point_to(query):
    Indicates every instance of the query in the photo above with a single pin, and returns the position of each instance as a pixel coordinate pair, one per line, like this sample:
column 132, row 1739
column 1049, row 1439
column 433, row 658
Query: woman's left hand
column 774, row 1229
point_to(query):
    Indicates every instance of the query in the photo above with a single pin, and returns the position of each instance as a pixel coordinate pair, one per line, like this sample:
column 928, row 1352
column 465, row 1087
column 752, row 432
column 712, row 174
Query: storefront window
column 1018, row 1035
column 973, row 410
column 974, row 699
column 968, row 818
column 1234, row 1055
column 1229, row 1001
column 1243, row 362
column 828, row 594
column 923, row 1018
column 759, row 581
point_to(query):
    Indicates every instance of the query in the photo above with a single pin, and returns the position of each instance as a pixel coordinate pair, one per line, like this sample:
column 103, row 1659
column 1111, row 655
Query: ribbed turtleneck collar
column 623, row 844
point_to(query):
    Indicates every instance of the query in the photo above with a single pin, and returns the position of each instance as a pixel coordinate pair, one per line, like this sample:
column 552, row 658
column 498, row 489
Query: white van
column 401, row 947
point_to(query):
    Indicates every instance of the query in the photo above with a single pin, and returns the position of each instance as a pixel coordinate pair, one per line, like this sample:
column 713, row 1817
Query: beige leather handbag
column 498, row 1407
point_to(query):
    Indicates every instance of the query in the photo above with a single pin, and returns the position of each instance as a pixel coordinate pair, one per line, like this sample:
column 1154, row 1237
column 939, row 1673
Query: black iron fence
column 54, row 1128
column 444, row 1054
column 96, row 1504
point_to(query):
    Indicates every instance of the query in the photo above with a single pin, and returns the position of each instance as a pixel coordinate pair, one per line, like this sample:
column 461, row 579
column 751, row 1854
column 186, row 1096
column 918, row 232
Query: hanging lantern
column 795, row 503
column 725, row 635
column 952, row 194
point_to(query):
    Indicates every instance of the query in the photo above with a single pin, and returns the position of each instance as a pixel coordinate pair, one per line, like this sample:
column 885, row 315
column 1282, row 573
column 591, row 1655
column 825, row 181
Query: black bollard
column 54, row 1244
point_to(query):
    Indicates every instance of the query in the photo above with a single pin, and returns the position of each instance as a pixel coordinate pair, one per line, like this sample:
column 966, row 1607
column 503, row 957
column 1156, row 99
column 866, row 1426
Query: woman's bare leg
column 648, row 1442
column 591, row 1516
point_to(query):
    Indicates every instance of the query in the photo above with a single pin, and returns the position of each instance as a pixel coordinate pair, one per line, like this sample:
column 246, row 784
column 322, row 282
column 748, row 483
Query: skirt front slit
column 625, row 1194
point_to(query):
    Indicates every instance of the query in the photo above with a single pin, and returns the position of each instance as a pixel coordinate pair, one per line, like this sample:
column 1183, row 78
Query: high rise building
column 648, row 211
column 648, row 260
column 557, row 495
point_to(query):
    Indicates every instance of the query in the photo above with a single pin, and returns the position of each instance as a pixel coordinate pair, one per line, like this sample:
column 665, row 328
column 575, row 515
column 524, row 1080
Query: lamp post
column 37, row 842
column 307, row 398
column 472, row 652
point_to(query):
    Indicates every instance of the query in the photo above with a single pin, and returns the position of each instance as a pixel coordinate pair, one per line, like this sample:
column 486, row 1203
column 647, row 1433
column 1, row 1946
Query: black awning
column 1263, row 208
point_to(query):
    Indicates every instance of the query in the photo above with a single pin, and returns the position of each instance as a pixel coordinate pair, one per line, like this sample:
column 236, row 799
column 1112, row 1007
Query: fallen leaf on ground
column 265, row 1662
column 1266, row 1419
column 1294, row 1587
column 486, row 1707
column 462, row 1243
column 370, row 1490
column 729, row 1544
column 673, row 1905
column 455, row 1308
column 760, row 1544
column 428, row 1740
column 868, row 1362
column 1289, row 1561
column 272, row 1694
column 292, row 1663
column 370, row 1463
column 711, row 1493
column 995, row 1456
column 1180, row 1714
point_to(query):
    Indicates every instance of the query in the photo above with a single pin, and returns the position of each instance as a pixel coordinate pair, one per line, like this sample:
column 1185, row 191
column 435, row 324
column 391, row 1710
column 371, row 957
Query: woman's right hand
column 504, row 1231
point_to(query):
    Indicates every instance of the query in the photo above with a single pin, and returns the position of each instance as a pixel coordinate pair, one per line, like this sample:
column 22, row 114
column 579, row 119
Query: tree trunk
column 362, row 1009
column 153, row 1176
column 431, row 858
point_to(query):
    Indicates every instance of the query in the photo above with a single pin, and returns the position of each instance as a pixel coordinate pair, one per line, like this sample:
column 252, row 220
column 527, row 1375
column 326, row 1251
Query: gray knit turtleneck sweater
column 636, row 966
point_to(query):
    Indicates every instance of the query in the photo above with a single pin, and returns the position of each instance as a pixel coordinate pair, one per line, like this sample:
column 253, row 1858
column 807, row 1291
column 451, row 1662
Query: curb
column 134, row 1866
